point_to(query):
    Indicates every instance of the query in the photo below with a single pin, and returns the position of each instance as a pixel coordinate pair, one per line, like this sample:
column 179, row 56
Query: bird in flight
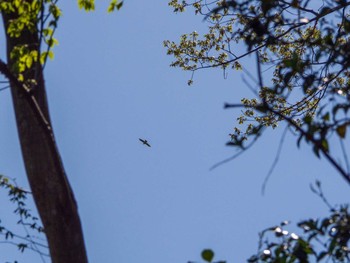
column 145, row 142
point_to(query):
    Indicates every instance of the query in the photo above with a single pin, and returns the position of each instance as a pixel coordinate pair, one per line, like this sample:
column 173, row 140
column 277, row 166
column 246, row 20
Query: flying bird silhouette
column 145, row 142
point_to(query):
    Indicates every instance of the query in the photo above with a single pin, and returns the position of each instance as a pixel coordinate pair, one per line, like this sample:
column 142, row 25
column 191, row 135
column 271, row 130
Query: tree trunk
column 52, row 193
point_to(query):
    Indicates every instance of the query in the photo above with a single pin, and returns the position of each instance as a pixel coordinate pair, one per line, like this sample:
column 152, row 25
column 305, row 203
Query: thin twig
column 234, row 156
column 345, row 155
column 342, row 172
column 319, row 192
column 259, row 70
column 1, row 89
column 226, row 160
column 275, row 161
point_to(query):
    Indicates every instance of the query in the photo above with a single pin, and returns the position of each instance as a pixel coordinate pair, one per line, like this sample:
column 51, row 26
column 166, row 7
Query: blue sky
column 110, row 84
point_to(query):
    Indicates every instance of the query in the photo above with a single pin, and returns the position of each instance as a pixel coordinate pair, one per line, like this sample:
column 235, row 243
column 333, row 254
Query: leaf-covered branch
column 302, row 54
column 30, row 223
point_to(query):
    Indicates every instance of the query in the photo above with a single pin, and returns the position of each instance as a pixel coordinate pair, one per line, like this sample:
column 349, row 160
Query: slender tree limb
column 316, row 17
column 342, row 172
column 275, row 161
column 345, row 156
column 235, row 155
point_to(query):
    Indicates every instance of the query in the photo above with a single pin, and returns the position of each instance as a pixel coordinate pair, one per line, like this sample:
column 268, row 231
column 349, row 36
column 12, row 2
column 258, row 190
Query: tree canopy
column 302, row 82
column 302, row 56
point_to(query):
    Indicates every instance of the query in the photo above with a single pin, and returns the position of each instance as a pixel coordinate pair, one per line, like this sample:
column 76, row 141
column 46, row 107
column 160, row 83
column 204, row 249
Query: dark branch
column 290, row 122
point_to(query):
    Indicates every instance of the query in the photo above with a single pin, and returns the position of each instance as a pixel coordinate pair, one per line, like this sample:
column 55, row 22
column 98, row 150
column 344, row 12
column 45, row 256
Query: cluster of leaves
column 89, row 5
column 322, row 240
column 301, row 46
column 29, row 222
column 40, row 16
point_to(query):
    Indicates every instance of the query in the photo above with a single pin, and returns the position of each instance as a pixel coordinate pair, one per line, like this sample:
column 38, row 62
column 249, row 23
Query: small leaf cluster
column 37, row 17
column 18, row 197
column 210, row 51
column 208, row 256
column 89, row 5
column 114, row 5
column 321, row 240
column 213, row 49
column 24, row 57
column 26, row 19
column 325, row 239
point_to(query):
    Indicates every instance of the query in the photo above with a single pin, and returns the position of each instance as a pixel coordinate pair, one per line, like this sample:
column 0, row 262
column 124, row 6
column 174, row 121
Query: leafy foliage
column 39, row 16
column 315, row 240
column 35, row 16
column 301, row 47
column 114, row 5
column 31, row 27
column 30, row 223
column 88, row 5
column 322, row 240
column 208, row 256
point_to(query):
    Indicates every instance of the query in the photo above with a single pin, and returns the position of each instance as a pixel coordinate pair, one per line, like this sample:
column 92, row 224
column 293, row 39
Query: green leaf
column 208, row 255
column 51, row 42
column 50, row 54
column 114, row 5
column 308, row 119
column 44, row 56
column 347, row 26
column 55, row 11
column 88, row 5
column 341, row 131
column 120, row 5
column 316, row 151
column 111, row 6
column 29, row 61
column 326, row 117
column 325, row 145
column 20, row 77
column 34, row 55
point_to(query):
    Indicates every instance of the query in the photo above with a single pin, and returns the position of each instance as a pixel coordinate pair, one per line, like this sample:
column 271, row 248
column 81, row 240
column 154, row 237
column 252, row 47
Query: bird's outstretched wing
column 145, row 142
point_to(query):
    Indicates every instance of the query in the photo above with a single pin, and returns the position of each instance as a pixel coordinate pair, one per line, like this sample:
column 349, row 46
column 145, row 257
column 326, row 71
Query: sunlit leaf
column 113, row 5
column 87, row 5
column 341, row 131
column 325, row 145
column 207, row 255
